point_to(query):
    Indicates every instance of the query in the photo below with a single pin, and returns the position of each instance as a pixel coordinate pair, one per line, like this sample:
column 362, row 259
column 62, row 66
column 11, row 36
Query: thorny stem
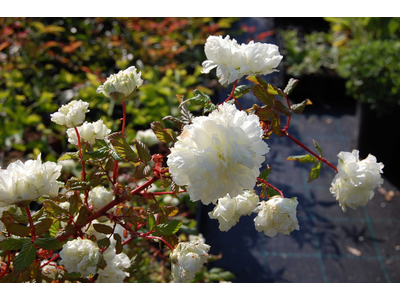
column 83, row 173
column 115, row 172
column 310, row 151
column 233, row 91
column 33, row 233
column 50, row 260
column 271, row 186
column 288, row 119
column 166, row 193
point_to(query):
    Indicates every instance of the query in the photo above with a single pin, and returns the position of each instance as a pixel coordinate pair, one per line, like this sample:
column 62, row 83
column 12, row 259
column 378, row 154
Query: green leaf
column 271, row 192
column 142, row 171
column 83, row 216
column 53, row 208
column 69, row 155
column 170, row 210
column 43, row 226
column 265, row 113
column 169, row 228
column 76, row 184
column 161, row 133
column 103, row 228
column 273, row 90
column 17, row 229
column 53, row 230
column 48, row 243
column 314, row 173
column 258, row 81
column 179, row 123
column 105, row 242
column 98, row 154
column 262, row 95
column 276, row 125
column 118, row 245
column 186, row 115
column 203, row 99
column 290, row 86
column 299, row 108
column 122, row 147
column 151, row 222
column 318, row 147
column 13, row 243
column 25, row 257
column 142, row 151
column 307, row 158
column 282, row 108
column 242, row 90
column 265, row 173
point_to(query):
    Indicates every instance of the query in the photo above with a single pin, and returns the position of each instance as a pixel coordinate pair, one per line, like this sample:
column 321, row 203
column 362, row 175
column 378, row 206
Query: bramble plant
column 85, row 231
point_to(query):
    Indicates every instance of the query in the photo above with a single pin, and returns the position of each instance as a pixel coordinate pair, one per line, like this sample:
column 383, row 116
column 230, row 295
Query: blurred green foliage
column 364, row 51
column 46, row 62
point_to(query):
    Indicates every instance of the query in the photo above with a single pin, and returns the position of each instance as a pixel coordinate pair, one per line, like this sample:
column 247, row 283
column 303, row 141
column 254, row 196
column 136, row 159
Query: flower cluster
column 277, row 215
column 356, row 179
column 88, row 132
column 187, row 259
column 121, row 86
column 28, row 181
column 234, row 61
column 218, row 154
column 72, row 114
column 228, row 210
column 80, row 255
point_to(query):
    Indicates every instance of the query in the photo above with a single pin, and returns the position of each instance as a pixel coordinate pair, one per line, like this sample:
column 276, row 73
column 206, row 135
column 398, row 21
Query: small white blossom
column 88, row 132
column 234, row 61
column 114, row 271
column 218, row 154
column 99, row 197
column 277, row 215
column 170, row 200
column 125, row 83
column 50, row 270
column 147, row 137
column 80, row 255
column 229, row 210
column 187, row 259
column 72, row 114
column 356, row 180
column 28, row 181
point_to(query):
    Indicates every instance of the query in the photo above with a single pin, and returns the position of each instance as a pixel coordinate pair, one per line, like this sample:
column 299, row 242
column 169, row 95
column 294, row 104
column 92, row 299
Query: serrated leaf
column 258, row 81
column 306, row 158
column 142, row 171
column 151, row 222
column 271, row 192
column 69, row 155
column 265, row 113
column 242, row 90
column 170, row 210
column 276, row 125
column 179, row 123
column 43, row 226
column 48, row 243
column 299, row 108
column 66, row 231
column 122, row 147
column 282, row 108
column 186, row 115
column 19, row 230
column 98, row 154
column 203, row 99
column 314, row 173
column 13, row 243
column 160, row 132
column 265, row 173
column 273, row 90
column 118, row 245
column 318, row 147
column 169, row 228
column 83, row 216
column 290, row 86
column 172, row 240
column 262, row 95
column 105, row 242
column 25, row 257
column 142, row 151
column 53, row 208
column 53, row 230
column 102, row 228
column 37, row 214
column 76, row 184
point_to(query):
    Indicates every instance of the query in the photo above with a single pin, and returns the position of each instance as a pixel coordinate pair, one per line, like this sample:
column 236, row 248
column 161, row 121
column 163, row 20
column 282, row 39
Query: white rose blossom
column 234, row 61
column 356, row 179
column 277, row 215
column 187, row 259
column 80, row 255
column 124, row 82
column 114, row 271
column 218, row 154
column 147, row 137
column 99, row 197
column 72, row 114
column 28, row 181
column 88, row 132
column 229, row 210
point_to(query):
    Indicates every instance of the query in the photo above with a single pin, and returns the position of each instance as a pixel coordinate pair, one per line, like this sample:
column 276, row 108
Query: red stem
column 271, row 186
column 8, row 263
column 52, row 259
column 166, row 193
column 233, row 91
column 311, row 152
column 115, row 172
column 83, row 173
column 33, row 233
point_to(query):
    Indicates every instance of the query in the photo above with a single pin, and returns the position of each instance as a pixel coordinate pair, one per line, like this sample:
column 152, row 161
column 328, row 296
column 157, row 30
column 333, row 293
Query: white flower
column 229, row 210
column 170, row 200
column 187, row 258
column 114, row 271
column 355, row 181
column 80, row 255
column 218, row 154
column 100, row 197
column 28, row 181
column 72, row 114
column 120, row 86
column 88, row 132
column 50, row 270
column 147, row 137
column 234, row 61
column 277, row 215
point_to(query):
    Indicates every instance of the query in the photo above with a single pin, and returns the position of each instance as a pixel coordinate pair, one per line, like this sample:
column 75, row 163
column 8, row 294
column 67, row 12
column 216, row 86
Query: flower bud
column 121, row 86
